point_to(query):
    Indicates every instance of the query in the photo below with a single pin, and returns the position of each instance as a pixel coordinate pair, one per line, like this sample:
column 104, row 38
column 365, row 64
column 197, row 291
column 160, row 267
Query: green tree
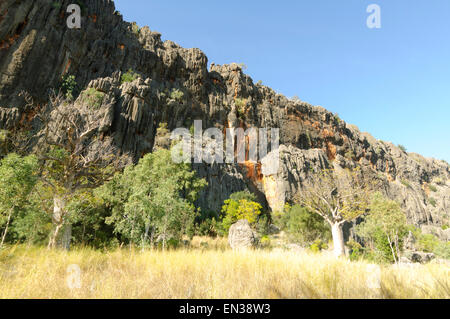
column 18, row 175
column 240, row 205
column 384, row 227
column 155, row 197
column 302, row 225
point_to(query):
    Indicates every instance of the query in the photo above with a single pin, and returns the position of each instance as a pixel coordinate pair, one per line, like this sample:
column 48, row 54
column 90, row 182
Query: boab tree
column 338, row 195
column 74, row 155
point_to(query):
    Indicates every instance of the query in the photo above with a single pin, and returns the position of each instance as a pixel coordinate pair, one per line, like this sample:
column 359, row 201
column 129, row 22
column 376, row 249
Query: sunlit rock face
column 37, row 50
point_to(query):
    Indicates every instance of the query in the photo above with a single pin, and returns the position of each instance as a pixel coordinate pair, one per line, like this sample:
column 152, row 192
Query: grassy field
column 28, row 272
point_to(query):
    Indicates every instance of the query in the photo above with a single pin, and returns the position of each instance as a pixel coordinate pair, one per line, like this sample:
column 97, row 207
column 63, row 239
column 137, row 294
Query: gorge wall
column 37, row 50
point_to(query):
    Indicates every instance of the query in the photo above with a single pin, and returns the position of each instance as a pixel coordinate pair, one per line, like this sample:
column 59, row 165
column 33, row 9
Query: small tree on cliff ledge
column 337, row 196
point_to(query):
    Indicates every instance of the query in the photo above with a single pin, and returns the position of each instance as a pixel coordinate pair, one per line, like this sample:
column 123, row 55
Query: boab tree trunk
column 337, row 233
column 59, row 214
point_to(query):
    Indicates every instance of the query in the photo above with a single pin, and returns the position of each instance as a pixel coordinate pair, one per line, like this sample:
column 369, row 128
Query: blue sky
column 392, row 82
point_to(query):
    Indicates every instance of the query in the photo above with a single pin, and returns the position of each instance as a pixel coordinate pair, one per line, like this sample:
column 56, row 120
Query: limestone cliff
column 37, row 50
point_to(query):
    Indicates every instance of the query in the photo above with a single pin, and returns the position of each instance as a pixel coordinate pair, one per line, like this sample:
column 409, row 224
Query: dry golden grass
column 209, row 273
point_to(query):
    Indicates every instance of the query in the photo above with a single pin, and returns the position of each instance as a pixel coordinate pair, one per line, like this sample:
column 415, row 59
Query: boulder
column 418, row 256
column 241, row 235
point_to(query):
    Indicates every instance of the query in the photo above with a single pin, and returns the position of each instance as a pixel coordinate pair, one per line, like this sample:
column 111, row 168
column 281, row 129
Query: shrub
column 68, row 86
column 135, row 28
column 427, row 242
column 438, row 181
column 263, row 225
column 177, row 95
column 350, row 155
column 384, row 228
column 234, row 210
column 129, row 76
column 206, row 224
column 240, row 107
column 432, row 201
column 302, row 225
column 243, row 195
column 432, row 188
column 240, row 102
column 3, row 136
column 357, row 250
column 243, row 66
column 93, row 97
column 406, row 183
column 442, row 250
column 336, row 118
column 318, row 246
column 265, row 241
column 402, row 148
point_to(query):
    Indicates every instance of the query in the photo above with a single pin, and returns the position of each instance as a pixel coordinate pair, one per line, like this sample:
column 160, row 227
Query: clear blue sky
column 392, row 82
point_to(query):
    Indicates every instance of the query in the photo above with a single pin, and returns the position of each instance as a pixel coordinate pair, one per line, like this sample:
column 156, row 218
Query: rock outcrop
column 241, row 235
column 175, row 86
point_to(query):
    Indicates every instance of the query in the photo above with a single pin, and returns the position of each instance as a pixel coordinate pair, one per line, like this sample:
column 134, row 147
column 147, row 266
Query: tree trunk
column 66, row 237
column 59, row 214
column 338, row 239
column 6, row 229
column 392, row 249
column 52, row 242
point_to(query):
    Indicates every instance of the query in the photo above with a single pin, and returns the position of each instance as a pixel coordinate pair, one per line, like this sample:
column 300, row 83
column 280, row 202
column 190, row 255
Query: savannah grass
column 213, row 272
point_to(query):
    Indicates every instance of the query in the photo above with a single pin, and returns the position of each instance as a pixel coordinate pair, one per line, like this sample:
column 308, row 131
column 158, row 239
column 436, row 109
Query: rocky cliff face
column 37, row 50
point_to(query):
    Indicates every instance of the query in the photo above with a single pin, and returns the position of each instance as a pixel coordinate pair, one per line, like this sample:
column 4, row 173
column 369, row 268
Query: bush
column 337, row 119
column 402, row 148
column 442, row 250
column 243, row 195
column 432, row 201
column 383, row 229
column 206, row 224
column 135, row 28
column 265, row 242
column 318, row 246
column 130, row 76
column 235, row 209
column 432, row 188
column 438, row 181
column 350, row 155
column 406, row 183
column 263, row 225
column 427, row 242
column 69, row 86
column 240, row 107
column 177, row 95
column 302, row 225
column 93, row 98
column 356, row 250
